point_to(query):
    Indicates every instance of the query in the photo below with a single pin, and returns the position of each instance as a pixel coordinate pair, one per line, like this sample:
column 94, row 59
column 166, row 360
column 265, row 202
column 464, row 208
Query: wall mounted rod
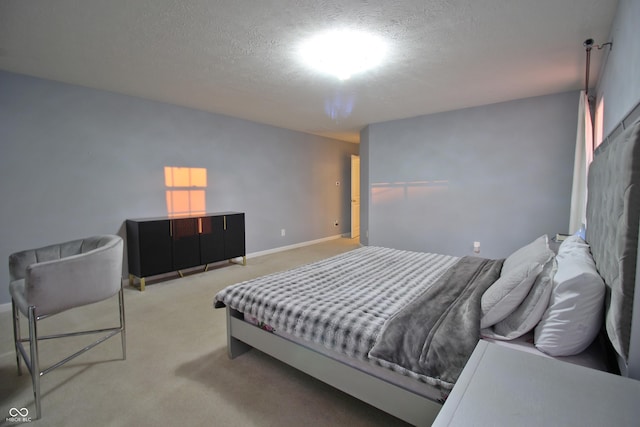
column 588, row 44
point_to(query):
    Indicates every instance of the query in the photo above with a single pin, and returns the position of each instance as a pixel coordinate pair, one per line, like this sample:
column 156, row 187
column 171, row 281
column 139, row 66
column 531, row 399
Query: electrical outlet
column 476, row 247
column 283, row 232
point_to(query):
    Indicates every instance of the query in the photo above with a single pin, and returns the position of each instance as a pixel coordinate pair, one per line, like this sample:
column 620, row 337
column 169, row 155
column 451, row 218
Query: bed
column 395, row 328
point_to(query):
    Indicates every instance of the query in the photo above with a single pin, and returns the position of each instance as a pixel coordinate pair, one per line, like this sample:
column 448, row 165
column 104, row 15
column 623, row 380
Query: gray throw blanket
column 435, row 335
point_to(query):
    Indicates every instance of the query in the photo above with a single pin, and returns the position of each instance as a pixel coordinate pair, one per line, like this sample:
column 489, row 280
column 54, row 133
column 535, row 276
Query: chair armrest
column 18, row 263
column 57, row 285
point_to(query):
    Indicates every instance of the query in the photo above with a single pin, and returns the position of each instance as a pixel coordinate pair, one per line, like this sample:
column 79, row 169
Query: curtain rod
column 588, row 45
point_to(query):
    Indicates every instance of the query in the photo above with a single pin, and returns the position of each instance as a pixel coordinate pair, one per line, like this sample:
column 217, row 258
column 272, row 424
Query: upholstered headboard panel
column 613, row 212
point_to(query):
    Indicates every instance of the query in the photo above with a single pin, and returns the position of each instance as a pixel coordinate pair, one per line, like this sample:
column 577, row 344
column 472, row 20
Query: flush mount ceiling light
column 343, row 53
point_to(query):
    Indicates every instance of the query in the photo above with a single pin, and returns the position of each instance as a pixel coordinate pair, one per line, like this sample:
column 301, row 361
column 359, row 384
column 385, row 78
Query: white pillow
column 576, row 309
column 574, row 246
column 528, row 314
column 536, row 251
column 506, row 294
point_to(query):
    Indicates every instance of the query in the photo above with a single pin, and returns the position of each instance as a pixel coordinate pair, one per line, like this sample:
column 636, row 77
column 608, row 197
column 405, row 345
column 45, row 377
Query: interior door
column 355, row 196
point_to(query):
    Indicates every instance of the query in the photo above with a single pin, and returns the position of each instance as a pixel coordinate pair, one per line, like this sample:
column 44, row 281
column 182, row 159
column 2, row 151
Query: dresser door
column 149, row 243
column 211, row 239
column 186, row 243
column 234, row 236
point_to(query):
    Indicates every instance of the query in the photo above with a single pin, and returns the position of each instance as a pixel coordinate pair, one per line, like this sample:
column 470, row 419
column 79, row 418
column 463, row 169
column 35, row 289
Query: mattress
column 339, row 305
column 341, row 302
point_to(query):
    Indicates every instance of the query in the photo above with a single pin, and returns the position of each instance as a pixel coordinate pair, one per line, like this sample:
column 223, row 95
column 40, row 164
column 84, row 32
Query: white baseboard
column 5, row 307
column 294, row 246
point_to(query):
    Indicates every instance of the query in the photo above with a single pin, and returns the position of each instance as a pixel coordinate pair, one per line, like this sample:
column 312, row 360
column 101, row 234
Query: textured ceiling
column 238, row 57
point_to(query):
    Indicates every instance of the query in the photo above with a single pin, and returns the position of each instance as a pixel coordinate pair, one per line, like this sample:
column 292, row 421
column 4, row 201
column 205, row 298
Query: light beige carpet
column 177, row 371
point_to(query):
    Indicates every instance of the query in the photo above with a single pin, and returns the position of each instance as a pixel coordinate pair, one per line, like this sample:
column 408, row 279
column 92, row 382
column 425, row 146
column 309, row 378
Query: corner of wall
column 364, row 186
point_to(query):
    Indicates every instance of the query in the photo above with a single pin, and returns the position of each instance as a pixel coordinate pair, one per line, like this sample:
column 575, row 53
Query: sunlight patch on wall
column 185, row 192
column 391, row 192
column 599, row 123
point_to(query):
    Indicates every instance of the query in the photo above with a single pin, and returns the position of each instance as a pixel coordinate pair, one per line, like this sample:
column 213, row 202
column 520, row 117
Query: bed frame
column 397, row 401
column 415, row 408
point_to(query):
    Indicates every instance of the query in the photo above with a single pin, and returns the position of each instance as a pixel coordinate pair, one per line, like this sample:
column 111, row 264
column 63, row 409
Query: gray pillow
column 536, row 251
column 529, row 313
column 506, row 294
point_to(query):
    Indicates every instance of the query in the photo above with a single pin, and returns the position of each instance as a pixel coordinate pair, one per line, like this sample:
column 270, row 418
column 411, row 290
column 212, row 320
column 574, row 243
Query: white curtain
column 583, row 158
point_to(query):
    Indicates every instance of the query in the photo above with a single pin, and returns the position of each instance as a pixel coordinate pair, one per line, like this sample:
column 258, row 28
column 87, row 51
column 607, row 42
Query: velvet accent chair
column 56, row 278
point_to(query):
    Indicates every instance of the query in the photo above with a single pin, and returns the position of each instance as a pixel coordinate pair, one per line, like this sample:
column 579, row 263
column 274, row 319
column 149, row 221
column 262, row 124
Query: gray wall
column 78, row 162
column 498, row 174
column 619, row 82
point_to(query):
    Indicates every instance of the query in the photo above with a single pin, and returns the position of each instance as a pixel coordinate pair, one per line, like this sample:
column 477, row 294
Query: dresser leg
column 132, row 282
